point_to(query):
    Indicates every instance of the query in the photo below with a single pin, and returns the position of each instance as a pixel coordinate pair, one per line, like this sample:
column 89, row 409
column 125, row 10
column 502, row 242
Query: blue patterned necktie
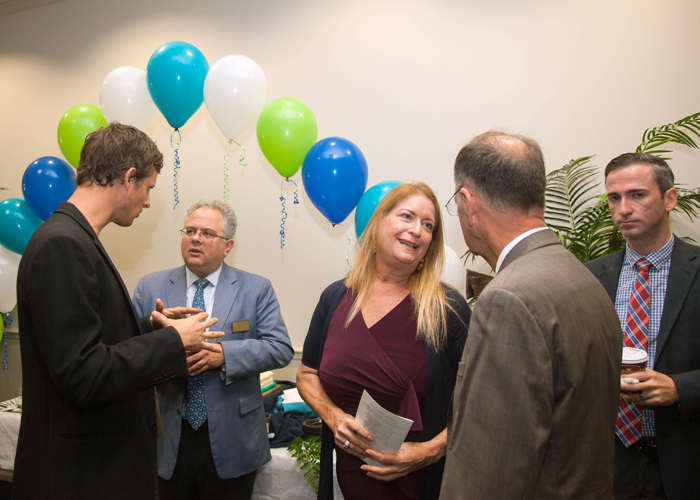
column 195, row 403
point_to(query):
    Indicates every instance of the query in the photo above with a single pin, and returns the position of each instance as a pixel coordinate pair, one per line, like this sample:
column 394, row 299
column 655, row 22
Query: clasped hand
column 211, row 356
column 189, row 322
column 346, row 429
column 653, row 389
column 411, row 456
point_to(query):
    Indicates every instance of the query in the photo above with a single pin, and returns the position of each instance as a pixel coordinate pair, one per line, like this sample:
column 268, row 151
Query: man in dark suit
column 535, row 402
column 89, row 420
column 660, row 458
column 214, row 433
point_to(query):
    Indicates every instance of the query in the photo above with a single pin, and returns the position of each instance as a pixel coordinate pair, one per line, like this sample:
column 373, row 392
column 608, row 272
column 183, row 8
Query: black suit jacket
column 89, row 421
column 678, row 356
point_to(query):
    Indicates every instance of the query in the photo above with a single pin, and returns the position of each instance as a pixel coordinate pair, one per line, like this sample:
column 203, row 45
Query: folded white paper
column 387, row 429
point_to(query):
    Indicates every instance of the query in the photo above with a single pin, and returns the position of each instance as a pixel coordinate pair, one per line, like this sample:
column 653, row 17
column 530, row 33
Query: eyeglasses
column 451, row 204
column 206, row 236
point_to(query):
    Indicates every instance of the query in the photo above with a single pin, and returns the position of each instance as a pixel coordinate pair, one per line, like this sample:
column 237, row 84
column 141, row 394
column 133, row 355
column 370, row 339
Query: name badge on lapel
column 240, row 326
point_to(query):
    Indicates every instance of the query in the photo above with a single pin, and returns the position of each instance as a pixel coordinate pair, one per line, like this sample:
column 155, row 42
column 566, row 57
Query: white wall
column 409, row 82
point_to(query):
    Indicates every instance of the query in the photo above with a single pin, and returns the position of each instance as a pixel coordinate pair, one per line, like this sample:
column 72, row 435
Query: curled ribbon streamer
column 6, row 319
column 176, row 162
column 284, row 217
column 284, row 211
column 296, row 191
column 226, row 171
column 242, row 158
column 347, row 256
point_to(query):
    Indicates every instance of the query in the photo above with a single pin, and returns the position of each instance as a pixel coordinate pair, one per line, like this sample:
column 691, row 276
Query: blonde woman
column 392, row 328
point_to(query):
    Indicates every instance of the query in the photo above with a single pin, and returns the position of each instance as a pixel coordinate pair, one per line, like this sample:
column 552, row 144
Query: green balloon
column 75, row 126
column 286, row 131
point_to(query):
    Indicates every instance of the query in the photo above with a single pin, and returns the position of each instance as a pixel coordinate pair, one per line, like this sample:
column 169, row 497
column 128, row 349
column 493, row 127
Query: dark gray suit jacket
column 678, row 356
column 537, row 390
column 235, row 413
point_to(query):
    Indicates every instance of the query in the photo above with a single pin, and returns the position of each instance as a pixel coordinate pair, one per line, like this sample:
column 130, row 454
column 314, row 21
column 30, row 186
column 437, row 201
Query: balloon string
column 296, row 191
column 284, row 217
column 347, row 256
column 6, row 319
column 242, row 158
column 177, row 162
column 226, row 171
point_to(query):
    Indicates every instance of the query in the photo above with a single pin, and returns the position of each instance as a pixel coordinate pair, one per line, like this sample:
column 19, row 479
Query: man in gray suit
column 661, row 458
column 534, row 408
column 214, row 432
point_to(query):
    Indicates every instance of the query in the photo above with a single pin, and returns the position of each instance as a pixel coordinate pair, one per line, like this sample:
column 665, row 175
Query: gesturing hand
column 174, row 312
column 191, row 329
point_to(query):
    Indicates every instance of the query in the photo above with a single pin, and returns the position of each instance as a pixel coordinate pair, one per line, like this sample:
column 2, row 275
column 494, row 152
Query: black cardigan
column 441, row 373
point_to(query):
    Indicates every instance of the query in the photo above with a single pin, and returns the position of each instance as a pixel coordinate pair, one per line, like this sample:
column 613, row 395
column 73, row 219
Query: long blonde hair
column 427, row 293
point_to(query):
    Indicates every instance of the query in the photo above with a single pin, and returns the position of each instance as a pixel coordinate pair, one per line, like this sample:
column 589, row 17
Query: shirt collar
column 509, row 246
column 657, row 257
column 213, row 277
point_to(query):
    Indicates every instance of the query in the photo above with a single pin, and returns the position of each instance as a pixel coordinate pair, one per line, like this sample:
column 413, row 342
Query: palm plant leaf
column 568, row 194
column 688, row 202
column 679, row 132
column 598, row 235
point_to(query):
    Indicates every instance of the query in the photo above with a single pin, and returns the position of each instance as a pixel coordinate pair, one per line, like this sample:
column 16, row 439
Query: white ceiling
column 8, row 7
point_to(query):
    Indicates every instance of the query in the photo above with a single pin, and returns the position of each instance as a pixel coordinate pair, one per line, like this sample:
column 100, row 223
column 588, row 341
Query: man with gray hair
column 214, row 432
column 533, row 414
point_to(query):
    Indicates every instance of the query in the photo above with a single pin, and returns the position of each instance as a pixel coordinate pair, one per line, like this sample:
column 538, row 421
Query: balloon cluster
column 177, row 81
column 46, row 183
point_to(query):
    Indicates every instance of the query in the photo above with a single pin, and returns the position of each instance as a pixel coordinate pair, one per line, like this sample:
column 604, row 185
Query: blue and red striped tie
column 629, row 417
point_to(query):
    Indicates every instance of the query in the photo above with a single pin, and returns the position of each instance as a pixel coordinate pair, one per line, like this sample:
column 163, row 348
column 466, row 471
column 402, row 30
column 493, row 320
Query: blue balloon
column 368, row 204
column 175, row 74
column 335, row 176
column 17, row 224
column 47, row 183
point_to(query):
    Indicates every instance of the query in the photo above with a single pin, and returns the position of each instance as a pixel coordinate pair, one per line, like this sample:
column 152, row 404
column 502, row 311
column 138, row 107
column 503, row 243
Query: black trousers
column 637, row 472
column 195, row 475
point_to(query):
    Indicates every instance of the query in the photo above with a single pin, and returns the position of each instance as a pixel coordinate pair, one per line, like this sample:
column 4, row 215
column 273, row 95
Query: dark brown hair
column 660, row 171
column 110, row 151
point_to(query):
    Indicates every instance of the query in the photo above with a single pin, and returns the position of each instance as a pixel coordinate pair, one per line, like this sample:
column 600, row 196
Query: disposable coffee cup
column 633, row 360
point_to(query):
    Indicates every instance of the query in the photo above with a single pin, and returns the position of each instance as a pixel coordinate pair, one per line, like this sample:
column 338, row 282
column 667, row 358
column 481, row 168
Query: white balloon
column 235, row 91
column 454, row 274
column 125, row 98
column 9, row 263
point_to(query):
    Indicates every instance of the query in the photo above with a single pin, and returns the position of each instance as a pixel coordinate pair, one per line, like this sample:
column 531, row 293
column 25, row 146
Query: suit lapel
column 610, row 276
column 73, row 212
column 681, row 275
column 226, row 291
column 176, row 293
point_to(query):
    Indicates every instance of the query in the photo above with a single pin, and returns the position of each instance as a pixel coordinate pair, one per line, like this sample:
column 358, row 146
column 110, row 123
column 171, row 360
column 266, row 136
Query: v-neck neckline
column 388, row 313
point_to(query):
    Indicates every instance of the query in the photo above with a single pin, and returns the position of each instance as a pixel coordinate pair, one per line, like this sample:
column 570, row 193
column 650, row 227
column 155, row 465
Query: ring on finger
column 346, row 445
column 641, row 395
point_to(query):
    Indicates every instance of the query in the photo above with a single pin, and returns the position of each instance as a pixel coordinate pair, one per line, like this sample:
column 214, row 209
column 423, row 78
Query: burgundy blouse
column 389, row 362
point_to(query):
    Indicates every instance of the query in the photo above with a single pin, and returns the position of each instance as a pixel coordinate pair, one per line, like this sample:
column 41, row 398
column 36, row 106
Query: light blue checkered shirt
column 658, row 279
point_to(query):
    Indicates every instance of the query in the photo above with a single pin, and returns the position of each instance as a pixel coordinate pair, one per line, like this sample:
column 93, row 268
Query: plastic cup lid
column 631, row 355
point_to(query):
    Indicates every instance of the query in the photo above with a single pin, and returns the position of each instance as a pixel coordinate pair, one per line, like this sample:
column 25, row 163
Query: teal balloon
column 368, row 204
column 175, row 74
column 17, row 224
